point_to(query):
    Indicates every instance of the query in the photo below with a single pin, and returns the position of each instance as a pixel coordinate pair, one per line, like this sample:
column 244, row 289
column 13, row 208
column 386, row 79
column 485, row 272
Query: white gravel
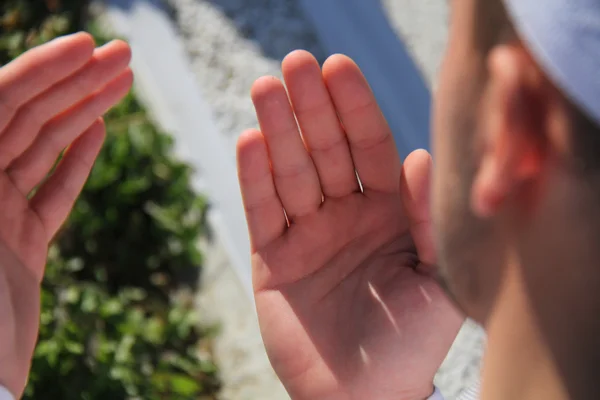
column 233, row 42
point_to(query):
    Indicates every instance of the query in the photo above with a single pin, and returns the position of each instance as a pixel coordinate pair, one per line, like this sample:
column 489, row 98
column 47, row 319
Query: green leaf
column 89, row 301
column 111, row 308
column 184, row 385
column 74, row 347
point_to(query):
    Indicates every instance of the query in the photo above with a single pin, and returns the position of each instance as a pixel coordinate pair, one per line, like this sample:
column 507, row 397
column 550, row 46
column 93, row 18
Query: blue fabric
column 564, row 38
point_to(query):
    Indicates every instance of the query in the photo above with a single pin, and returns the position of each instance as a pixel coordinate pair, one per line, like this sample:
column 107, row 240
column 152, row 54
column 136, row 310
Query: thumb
column 414, row 188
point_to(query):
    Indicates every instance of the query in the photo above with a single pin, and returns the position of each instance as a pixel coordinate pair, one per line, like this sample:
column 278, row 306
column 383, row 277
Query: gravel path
column 233, row 42
column 230, row 44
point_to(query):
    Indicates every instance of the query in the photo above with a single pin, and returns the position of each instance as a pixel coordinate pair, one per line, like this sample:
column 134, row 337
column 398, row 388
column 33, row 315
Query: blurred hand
column 51, row 98
column 345, row 304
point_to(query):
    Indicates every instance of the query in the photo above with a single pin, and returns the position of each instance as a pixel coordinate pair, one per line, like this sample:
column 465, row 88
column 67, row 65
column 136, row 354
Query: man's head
column 517, row 166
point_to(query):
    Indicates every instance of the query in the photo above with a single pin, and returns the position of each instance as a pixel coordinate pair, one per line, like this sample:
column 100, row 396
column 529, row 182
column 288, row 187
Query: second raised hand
column 343, row 311
column 51, row 98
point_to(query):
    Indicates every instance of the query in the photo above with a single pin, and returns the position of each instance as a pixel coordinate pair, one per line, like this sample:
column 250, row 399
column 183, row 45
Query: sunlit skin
column 345, row 270
column 346, row 296
column 515, row 221
column 346, row 306
column 40, row 115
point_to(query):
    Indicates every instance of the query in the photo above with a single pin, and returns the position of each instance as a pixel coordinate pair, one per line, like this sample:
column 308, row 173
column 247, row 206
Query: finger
column 414, row 187
column 294, row 173
column 32, row 166
column 371, row 142
column 264, row 211
column 56, row 197
column 107, row 63
column 38, row 69
column 319, row 124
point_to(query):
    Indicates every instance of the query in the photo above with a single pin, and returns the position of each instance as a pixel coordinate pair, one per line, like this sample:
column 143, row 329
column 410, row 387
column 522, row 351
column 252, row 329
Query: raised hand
column 346, row 306
column 51, row 98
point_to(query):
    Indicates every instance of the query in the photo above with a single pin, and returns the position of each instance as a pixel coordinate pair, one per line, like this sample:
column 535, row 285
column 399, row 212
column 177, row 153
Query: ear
column 512, row 129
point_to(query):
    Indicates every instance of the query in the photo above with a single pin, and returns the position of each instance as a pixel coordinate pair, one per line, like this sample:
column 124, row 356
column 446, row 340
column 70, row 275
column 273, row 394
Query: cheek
column 452, row 131
column 445, row 105
column 442, row 143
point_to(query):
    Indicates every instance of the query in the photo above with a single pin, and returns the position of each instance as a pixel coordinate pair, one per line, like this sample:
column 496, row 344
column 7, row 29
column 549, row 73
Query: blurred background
column 147, row 294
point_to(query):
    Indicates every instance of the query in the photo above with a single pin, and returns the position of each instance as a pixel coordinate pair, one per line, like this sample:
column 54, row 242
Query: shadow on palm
column 338, row 294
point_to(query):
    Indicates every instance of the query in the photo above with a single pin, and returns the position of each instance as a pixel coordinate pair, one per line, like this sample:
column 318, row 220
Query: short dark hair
column 493, row 26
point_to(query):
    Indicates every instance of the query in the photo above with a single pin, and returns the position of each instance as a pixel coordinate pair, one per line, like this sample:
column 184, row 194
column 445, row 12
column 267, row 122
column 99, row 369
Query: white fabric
column 564, row 38
column 471, row 393
column 5, row 394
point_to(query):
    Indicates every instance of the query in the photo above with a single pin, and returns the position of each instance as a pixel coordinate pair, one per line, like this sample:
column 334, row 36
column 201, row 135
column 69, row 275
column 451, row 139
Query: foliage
column 118, row 318
column 137, row 221
column 125, row 345
column 28, row 23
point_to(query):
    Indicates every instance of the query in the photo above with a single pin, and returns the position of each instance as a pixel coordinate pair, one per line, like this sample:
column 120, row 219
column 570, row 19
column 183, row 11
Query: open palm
column 345, row 304
column 51, row 98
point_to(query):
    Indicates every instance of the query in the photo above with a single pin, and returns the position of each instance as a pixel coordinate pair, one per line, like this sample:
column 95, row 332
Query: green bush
column 28, row 23
column 137, row 221
column 118, row 318
column 126, row 345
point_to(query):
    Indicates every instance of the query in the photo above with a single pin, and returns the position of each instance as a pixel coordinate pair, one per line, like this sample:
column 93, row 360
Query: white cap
column 564, row 38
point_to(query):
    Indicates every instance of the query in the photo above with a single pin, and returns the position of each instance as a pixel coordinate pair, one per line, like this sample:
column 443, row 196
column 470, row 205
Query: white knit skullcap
column 564, row 38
